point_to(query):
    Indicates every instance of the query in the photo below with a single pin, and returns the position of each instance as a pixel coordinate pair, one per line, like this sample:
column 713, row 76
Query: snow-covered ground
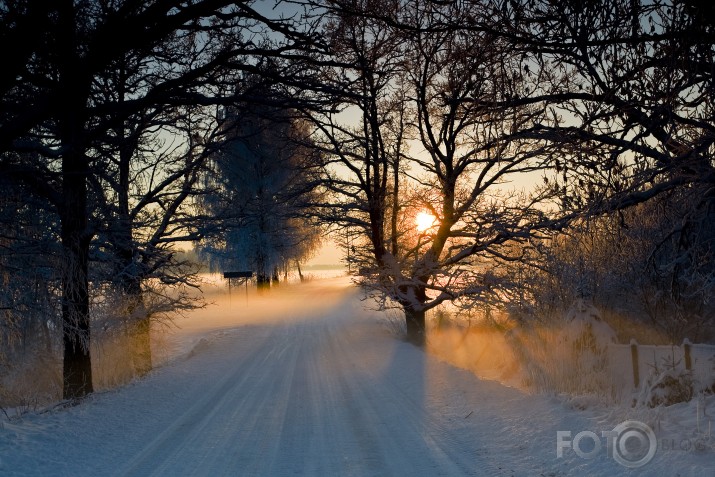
column 305, row 381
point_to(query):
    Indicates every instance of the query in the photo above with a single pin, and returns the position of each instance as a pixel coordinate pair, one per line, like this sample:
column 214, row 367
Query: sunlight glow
column 424, row 220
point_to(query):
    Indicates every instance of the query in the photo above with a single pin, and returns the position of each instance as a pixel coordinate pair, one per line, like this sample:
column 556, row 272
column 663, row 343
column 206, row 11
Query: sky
column 329, row 254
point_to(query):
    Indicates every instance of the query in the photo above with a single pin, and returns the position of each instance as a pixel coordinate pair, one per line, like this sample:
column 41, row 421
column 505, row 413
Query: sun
column 424, row 220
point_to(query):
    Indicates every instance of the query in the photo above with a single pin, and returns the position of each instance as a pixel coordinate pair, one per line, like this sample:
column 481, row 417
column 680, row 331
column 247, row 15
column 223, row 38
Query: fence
column 647, row 360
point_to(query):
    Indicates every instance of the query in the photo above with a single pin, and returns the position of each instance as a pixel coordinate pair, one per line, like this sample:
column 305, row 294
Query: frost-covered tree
column 261, row 183
column 649, row 265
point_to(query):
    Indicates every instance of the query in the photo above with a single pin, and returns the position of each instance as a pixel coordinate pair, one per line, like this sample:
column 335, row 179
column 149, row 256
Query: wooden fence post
column 634, row 361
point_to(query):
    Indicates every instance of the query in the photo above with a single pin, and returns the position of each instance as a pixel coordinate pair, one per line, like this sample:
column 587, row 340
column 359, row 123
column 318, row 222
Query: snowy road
column 329, row 393
column 300, row 398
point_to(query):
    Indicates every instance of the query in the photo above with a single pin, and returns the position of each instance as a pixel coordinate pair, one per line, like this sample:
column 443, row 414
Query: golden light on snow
column 424, row 220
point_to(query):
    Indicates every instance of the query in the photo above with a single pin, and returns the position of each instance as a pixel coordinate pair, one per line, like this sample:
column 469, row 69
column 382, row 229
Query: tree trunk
column 415, row 321
column 415, row 315
column 74, row 234
column 263, row 282
column 77, row 367
column 300, row 272
column 137, row 319
column 141, row 341
column 138, row 324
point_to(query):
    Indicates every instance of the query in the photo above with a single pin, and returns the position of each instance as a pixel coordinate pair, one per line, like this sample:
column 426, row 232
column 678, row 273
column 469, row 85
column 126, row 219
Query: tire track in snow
column 206, row 420
column 413, row 437
column 303, row 400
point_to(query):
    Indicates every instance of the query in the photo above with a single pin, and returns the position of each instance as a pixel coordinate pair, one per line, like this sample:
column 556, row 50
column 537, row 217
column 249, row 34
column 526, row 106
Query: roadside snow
column 309, row 383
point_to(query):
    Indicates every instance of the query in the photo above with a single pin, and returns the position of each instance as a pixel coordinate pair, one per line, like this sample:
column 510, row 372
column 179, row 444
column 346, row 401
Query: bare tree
column 54, row 106
column 259, row 186
column 628, row 89
column 431, row 121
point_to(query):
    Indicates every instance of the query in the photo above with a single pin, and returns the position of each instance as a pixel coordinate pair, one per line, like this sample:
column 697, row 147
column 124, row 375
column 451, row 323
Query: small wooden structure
column 243, row 276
